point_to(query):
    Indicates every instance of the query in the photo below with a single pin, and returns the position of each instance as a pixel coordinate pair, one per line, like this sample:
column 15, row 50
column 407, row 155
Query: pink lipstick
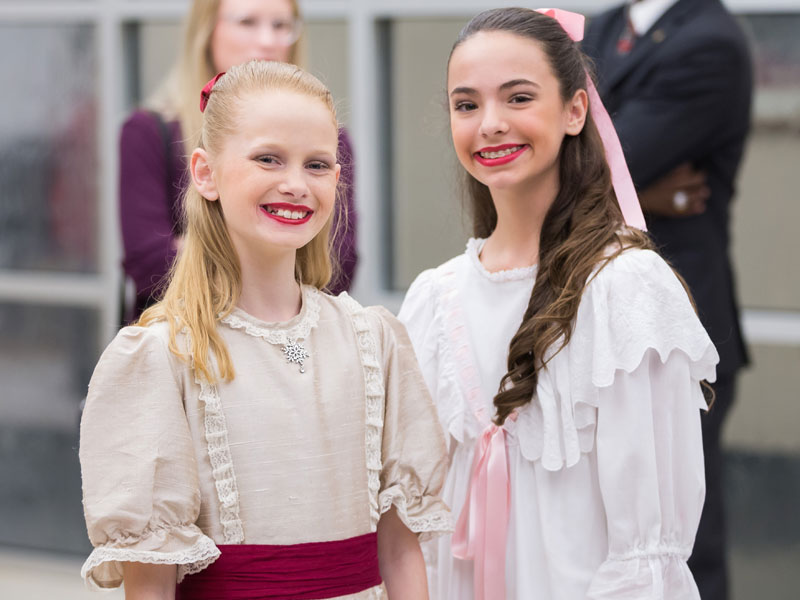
column 494, row 156
column 287, row 213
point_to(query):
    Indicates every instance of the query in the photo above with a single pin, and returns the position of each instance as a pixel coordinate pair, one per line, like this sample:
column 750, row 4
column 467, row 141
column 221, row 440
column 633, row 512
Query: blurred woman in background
column 156, row 140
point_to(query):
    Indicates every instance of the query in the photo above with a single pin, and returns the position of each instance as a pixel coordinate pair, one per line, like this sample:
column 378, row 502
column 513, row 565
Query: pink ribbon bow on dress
column 482, row 528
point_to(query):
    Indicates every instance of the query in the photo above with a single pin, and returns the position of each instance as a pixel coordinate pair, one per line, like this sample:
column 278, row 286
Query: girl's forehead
column 245, row 6
column 489, row 56
column 283, row 103
column 283, row 114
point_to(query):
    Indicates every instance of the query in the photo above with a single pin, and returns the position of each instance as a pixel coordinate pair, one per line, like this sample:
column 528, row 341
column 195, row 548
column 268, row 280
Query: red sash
column 298, row 572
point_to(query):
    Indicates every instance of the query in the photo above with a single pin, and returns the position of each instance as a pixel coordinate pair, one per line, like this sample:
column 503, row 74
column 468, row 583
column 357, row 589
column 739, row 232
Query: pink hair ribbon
column 205, row 94
column 620, row 175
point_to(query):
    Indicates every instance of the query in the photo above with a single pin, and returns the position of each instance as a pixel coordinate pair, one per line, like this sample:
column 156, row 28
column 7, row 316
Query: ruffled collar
column 474, row 247
column 296, row 328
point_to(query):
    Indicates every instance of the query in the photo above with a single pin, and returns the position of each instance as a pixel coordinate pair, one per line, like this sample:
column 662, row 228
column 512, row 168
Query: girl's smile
column 493, row 156
column 289, row 214
column 276, row 175
column 507, row 116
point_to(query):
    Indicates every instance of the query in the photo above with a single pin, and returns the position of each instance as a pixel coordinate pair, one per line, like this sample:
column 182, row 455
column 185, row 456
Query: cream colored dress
column 173, row 466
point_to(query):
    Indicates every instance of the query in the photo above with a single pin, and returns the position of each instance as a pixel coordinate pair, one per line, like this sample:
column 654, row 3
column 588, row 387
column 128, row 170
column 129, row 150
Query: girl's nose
column 294, row 185
column 492, row 122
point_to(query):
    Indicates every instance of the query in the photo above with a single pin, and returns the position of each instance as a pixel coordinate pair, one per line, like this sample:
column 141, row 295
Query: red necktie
column 627, row 37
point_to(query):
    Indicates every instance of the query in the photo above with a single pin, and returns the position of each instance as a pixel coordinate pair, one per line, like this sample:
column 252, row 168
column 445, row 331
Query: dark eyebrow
column 516, row 82
column 463, row 90
column 505, row 86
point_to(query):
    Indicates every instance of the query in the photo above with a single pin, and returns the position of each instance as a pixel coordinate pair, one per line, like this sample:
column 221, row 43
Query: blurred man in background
column 676, row 78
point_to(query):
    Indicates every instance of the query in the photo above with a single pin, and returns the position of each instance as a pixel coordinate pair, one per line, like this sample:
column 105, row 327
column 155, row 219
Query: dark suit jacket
column 683, row 93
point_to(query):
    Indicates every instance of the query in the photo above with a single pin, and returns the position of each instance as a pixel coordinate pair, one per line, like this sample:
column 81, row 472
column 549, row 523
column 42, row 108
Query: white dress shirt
column 644, row 13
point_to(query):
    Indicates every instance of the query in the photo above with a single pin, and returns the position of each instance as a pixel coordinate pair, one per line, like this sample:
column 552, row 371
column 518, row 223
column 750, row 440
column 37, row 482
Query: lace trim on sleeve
column 191, row 560
column 427, row 526
column 375, row 399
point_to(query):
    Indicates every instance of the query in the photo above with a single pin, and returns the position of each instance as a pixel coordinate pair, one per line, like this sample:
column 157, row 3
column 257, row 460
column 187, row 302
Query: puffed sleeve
column 140, row 491
column 650, row 468
column 638, row 354
column 413, row 453
column 417, row 314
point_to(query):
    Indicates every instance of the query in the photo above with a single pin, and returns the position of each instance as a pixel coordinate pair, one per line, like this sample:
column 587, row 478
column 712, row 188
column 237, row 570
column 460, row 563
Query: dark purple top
column 151, row 186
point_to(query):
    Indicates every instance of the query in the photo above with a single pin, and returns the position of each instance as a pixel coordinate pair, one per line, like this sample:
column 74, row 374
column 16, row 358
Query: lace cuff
column 658, row 573
column 427, row 516
column 185, row 546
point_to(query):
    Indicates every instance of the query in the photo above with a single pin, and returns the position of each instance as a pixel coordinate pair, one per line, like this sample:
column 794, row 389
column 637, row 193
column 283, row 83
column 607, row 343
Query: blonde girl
column 156, row 141
column 249, row 436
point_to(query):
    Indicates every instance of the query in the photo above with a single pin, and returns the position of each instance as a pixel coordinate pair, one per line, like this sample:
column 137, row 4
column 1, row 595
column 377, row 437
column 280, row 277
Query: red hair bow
column 206, row 93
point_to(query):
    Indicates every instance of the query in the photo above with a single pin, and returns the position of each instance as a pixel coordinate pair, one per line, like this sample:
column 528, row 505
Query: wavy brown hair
column 583, row 229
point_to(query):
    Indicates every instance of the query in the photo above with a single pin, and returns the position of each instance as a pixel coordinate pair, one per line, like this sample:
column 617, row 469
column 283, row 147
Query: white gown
column 606, row 462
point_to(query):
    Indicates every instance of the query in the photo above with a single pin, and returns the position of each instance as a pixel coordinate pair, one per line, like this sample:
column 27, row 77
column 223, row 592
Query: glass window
column 48, row 148
column 46, row 358
column 428, row 223
column 325, row 54
column 765, row 208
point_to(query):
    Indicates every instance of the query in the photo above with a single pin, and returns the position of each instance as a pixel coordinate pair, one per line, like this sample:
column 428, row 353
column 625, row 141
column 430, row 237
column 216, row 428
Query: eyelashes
column 312, row 165
column 464, row 106
column 468, row 105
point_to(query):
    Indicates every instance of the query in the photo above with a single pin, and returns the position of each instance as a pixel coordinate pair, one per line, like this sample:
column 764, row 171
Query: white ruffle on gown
column 606, row 462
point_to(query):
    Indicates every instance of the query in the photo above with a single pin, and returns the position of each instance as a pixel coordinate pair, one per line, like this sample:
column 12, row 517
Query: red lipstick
column 502, row 160
column 272, row 210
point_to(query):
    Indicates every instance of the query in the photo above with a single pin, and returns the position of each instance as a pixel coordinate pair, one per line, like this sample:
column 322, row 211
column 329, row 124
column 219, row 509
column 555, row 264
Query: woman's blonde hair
column 176, row 97
column 205, row 281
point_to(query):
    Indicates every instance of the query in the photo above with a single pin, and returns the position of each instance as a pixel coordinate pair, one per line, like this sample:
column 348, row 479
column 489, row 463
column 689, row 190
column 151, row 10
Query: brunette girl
column 563, row 353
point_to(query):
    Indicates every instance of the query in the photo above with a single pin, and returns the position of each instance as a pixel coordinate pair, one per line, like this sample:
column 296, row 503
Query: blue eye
column 267, row 160
column 318, row 165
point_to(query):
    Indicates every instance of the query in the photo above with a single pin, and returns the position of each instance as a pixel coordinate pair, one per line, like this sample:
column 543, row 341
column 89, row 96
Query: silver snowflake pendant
column 296, row 353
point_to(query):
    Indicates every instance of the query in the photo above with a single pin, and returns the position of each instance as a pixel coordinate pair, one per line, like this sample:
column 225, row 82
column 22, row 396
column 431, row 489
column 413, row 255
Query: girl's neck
column 514, row 243
column 270, row 291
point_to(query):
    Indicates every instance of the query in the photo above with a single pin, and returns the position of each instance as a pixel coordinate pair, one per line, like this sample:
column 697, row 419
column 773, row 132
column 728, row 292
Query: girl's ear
column 576, row 112
column 338, row 171
column 202, row 175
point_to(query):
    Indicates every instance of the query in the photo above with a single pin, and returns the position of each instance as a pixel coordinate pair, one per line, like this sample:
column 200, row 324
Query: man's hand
column 680, row 193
